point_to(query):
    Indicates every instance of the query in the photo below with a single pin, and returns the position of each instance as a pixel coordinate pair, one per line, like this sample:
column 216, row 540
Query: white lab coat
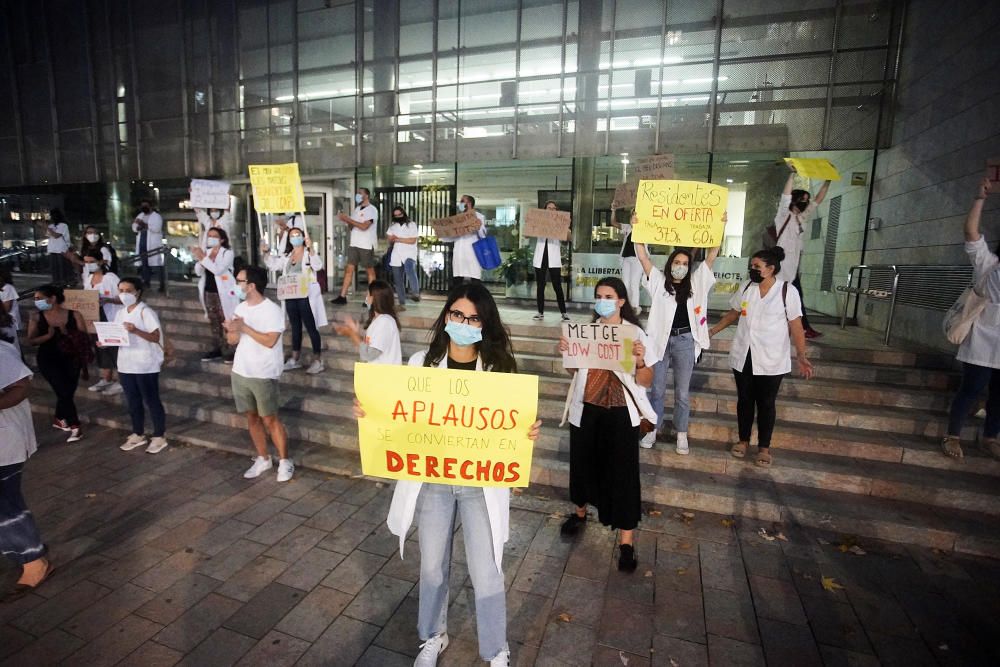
column 982, row 346
column 664, row 307
column 404, row 497
column 225, row 223
column 297, row 222
column 555, row 253
column 792, row 240
column 763, row 328
column 463, row 262
column 279, row 263
column 154, row 236
column 225, row 281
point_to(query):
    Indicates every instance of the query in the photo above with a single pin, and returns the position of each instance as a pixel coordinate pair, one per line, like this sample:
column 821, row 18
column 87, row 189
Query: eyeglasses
column 458, row 317
column 242, row 282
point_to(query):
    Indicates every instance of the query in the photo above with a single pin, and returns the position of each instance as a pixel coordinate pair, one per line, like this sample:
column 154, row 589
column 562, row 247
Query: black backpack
column 114, row 258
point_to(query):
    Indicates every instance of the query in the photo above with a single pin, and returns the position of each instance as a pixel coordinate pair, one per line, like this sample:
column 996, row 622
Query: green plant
column 517, row 266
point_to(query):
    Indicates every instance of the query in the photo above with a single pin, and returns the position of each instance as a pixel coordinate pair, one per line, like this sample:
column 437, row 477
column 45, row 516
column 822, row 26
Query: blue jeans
column 974, row 380
column 436, row 530
column 144, row 388
column 679, row 355
column 19, row 538
column 410, row 268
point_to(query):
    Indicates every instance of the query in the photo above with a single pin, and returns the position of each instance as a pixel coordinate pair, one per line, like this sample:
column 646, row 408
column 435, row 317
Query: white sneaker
column 430, row 650
column 648, row 440
column 100, row 386
column 501, row 659
column 156, row 445
column 75, row 435
column 682, row 444
column 286, row 469
column 315, row 367
column 134, row 440
column 114, row 389
column 260, row 464
column 539, row 316
column 291, row 364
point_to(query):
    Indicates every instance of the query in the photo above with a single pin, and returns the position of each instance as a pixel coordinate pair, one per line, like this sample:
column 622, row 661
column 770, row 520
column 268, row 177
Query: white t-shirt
column 365, row 238
column 252, row 359
column 383, row 335
column 403, row 251
column 108, row 288
column 61, row 244
column 9, row 293
column 17, row 432
column 763, row 328
column 140, row 356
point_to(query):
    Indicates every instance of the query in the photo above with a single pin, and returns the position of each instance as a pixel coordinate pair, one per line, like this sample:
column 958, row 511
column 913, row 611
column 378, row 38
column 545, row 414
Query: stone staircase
column 856, row 446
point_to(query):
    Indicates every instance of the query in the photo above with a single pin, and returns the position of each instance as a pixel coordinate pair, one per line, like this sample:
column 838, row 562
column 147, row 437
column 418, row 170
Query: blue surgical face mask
column 463, row 334
column 296, row 241
column 212, row 241
column 605, row 307
column 241, row 293
column 461, row 207
column 42, row 305
column 358, row 198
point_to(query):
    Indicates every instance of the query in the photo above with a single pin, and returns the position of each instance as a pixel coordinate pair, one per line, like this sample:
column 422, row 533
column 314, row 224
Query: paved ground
column 175, row 559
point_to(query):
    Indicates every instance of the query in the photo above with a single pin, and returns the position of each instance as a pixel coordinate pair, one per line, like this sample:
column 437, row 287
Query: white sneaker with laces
column 316, row 367
column 114, row 389
column 291, row 364
column 430, row 650
column 286, row 470
column 156, row 445
column 682, row 444
column 75, row 435
column 101, row 385
column 134, row 440
column 501, row 659
column 260, row 465
column 539, row 316
column 648, row 440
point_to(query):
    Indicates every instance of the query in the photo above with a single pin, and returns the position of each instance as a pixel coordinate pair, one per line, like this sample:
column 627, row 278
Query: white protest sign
column 597, row 345
column 209, row 194
column 111, row 334
column 294, row 286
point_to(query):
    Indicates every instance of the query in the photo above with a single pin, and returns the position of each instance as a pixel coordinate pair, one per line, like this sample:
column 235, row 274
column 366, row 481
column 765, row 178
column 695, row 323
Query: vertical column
column 385, row 50
column 586, row 145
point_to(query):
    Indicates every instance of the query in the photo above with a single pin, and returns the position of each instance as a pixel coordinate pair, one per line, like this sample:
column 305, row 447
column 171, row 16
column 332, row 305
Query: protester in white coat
column 467, row 335
column 148, row 228
column 98, row 277
column 547, row 261
column 631, row 268
column 298, row 260
column 980, row 351
column 216, row 288
column 212, row 217
column 464, row 265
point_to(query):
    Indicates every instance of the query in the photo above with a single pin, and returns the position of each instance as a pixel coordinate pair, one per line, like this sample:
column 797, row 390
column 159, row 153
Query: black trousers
column 756, row 392
column 458, row 280
column 299, row 313
column 797, row 284
column 604, row 466
column 555, row 275
column 64, row 378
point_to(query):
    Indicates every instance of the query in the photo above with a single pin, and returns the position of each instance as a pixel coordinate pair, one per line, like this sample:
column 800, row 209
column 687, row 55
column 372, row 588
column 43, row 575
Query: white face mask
column 92, row 238
column 679, row 271
column 89, row 267
column 127, row 298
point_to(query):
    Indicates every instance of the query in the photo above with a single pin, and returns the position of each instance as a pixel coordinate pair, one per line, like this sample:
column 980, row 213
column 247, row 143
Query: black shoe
column 214, row 355
column 627, row 560
column 572, row 525
column 414, row 297
column 339, row 301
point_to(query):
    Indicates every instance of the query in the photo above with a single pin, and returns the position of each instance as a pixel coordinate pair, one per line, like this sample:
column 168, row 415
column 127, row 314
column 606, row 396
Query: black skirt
column 604, row 466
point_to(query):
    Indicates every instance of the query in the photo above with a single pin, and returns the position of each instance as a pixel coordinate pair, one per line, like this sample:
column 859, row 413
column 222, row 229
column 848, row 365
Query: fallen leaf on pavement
column 822, row 541
column 830, row 584
column 763, row 533
column 649, row 573
column 655, row 513
column 564, row 617
column 681, row 571
column 90, row 495
column 674, row 663
column 728, row 523
column 684, row 545
column 621, row 656
column 781, row 536
column 857, row 551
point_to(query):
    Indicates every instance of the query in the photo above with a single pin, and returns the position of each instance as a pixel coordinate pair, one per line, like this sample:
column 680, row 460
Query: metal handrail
column 879, row 294
column 139, row 256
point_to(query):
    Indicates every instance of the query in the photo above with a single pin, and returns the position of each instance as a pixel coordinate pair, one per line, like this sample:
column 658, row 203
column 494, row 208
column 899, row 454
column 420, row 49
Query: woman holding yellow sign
column 300, row 291
column 467, row 335
column 605, row 409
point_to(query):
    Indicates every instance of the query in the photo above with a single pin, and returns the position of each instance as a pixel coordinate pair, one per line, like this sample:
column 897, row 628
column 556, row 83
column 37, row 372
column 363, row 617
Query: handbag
column 771, row 233
column 487, row 252
column 958, row 321
column 645, row 426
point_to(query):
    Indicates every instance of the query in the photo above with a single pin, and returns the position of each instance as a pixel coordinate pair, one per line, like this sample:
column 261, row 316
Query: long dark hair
column 628, row 315
column 399, row 207
column 382, row 302
column 6, row 277
column 223, row 236
column 495, row 348
column 86, row 245
column 681, row 290
column 51, row 291
column 771, row 257
column 288, row 240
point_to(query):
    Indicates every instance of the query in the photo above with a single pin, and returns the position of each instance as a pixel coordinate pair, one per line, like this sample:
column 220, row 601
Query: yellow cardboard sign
column 818, row 168
column 462, row 428
column 680, row 213
column 277, row 188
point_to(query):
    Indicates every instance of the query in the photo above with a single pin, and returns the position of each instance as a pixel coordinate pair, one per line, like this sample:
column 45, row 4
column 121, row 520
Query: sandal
column 951, row 446
column 764, row 457
column 739, row 450
column 21, row 590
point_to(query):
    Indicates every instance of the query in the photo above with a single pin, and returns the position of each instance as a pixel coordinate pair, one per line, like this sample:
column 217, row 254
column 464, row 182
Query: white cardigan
column 661, row 313
column 555, row 253
column 404, row 496
column 225, row 281
column 982, row 346
column 279, row 263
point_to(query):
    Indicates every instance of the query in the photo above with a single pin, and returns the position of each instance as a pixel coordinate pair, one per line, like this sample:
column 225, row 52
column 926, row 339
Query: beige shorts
column 258, row 395
column 361, row 257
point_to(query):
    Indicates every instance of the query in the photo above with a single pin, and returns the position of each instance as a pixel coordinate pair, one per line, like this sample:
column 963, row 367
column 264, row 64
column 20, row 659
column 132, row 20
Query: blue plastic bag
column 487, row 253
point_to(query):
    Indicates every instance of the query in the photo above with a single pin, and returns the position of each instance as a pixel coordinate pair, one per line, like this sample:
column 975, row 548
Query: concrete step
column 747, row 492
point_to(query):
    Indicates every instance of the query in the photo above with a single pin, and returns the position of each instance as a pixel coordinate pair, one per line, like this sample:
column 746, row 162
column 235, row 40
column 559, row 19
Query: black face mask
column 401, row 218
column 802, row 204
column 146, row 209
column 755, row 276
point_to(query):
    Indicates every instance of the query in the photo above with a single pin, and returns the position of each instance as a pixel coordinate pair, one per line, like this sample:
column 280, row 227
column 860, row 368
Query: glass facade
column 513, row 101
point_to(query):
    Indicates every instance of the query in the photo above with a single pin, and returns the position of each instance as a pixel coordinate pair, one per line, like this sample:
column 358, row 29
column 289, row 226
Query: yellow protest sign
column 277, row 188
column 680, row 213
column 462, row 428
column 818, row 168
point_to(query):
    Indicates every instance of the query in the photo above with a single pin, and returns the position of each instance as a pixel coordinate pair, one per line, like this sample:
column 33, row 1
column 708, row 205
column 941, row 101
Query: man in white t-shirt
column 795, row 209
column 363, row 222
column 58, row 233
column 255, row 330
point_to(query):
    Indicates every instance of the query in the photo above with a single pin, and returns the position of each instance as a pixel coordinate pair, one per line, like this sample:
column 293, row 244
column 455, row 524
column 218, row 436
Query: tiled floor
column 175, row 559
